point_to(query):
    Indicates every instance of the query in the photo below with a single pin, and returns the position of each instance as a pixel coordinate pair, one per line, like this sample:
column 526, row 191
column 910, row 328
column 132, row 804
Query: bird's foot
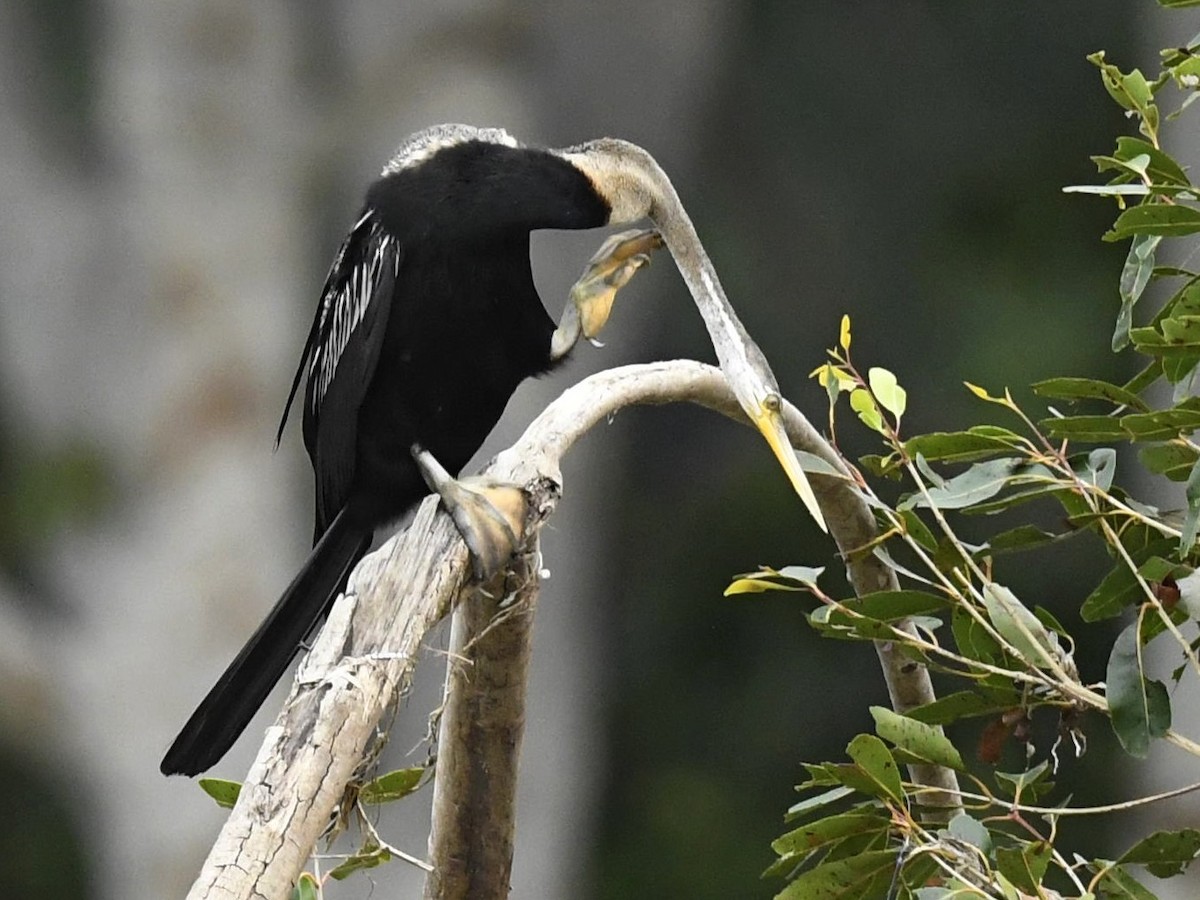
column 490, row 516
column 592, row 295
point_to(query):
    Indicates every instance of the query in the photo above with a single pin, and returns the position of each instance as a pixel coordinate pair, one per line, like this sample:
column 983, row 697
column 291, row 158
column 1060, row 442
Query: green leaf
column 1119, row 588
column 963, row 446
column 872, row 756
column 1139, row 266
column 1175, row 460
column 863, row 403
column 1165, row 853
column 1087, row 389
column 972, row 639
column 815, row 802
column 825, row 831
column 224, row 792
column 392, row 785
column 1178, row 4
column 864, row 618
column 370, row 856
column 1162, row 168
column 1095, row 429
column 866, row 875
column 1191, row 522
column 1173, row 220
column 1023, row 537
column 1155, row 218
column 1025, row 866
column 890, row 395
column 961, row 705
column 924, row 741
column 978, row 483
column 1140, row 709
column 1176, row 335
column 307, row 887
column 888, row 606
column 971, row 831
column 1019, row 626
column 1029, row 784
column 918, row 530
column 1117, row 884
column 819, row 775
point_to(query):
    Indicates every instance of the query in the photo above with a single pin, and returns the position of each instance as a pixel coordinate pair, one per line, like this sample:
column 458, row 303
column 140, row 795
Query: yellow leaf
column 844, row 336
column 754, row 586
column 978, row 391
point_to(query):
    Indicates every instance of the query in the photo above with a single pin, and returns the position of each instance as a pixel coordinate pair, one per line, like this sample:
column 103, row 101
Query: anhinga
column 428, row 322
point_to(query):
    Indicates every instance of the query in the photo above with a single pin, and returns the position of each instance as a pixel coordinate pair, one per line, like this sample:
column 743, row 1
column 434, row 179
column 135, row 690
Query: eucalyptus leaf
column 1139, row 708
column 978, row 483
column 1084, row 428
column 307, row 887
column 1025, row 866
column 873, row 758
column 1139, row 266
column 962, row 446
column 1165, row 853
column 224, row 792
column 1191, row 521
column 1174, row 220
column 1088, row 389
column 392, row 785
column 961, row 705
column 971, row 831
column 921, row 740
column 1017, row 624
column 1117, row 884
column 1162, row 168
column 815, row 802
column 865, row 875
column 887, row 392
column 824, row 831
column 1175, row 460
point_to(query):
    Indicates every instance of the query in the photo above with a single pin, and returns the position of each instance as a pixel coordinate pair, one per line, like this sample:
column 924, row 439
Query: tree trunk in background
column 175, row 355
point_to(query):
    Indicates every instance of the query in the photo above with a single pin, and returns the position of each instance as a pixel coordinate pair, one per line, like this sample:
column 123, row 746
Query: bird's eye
column 772, row 403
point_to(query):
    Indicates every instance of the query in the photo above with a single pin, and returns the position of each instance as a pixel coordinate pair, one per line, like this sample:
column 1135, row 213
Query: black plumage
column 428, row 322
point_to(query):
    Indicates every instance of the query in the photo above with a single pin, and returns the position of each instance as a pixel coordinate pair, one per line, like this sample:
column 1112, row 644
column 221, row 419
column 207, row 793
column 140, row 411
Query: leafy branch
column 861, row 831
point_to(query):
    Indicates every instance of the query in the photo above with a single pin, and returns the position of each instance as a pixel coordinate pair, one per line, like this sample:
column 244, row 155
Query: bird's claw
column 490, row 516
column 592, row 295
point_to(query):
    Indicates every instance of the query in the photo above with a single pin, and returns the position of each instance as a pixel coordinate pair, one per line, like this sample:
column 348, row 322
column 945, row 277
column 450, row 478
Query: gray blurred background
column 174, row 180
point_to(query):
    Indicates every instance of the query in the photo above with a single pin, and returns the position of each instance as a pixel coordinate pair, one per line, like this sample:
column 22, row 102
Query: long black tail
column 235, row 698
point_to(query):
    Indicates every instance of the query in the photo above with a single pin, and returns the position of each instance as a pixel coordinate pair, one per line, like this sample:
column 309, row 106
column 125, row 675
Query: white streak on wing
column 347, row 303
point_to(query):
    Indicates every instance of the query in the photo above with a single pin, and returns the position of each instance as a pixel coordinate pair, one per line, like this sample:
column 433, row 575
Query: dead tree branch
column 365, row 655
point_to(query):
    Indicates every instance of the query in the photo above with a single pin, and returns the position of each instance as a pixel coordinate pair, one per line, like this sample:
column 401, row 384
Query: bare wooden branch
column 479, row 741
column 366, row 653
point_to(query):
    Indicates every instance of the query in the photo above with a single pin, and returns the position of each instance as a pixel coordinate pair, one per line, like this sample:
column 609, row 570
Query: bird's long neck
column 637, row 187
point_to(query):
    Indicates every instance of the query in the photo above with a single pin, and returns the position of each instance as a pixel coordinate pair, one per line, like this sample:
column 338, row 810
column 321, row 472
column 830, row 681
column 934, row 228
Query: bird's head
column 623, row 174
column 635, row 187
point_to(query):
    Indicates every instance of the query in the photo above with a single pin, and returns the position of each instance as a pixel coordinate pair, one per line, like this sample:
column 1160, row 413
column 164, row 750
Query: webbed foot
column 592, row 296
column 490, row 516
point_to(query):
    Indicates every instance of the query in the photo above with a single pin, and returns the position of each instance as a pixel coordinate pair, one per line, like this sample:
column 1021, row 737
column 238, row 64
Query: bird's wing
column 341, row 354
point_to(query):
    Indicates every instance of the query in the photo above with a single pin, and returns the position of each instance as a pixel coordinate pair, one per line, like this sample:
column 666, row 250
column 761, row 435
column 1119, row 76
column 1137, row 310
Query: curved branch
column 365, row 655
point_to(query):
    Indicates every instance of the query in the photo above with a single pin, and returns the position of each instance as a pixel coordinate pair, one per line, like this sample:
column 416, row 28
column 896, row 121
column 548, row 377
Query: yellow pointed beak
column 770, row 424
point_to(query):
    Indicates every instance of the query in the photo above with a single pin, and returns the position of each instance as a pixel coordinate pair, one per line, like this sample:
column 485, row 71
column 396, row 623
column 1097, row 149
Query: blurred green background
column 176, row 178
